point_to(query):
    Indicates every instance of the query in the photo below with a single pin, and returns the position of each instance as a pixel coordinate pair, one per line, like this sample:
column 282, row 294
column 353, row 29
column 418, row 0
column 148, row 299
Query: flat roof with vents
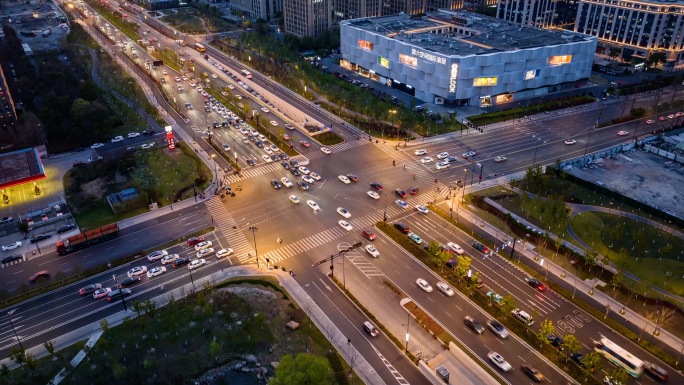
column 20, row 167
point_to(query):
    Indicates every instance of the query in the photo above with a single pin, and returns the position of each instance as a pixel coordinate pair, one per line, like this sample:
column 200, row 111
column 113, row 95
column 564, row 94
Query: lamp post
column 213, row 156
column 384, row 213
column 392, row 113
column 534, row 161
column 9, row 313
column 408, row 322
column 254, row 229
column 123, row 298
column 465, row 177
column 192, row 281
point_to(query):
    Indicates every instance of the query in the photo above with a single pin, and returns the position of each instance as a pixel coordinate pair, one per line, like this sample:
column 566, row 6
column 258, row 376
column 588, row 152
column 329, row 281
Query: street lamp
column 9, row 313
column 213, row 156
column 123, row 298
column 392, row 113
column 408, row 322
column 254, row 229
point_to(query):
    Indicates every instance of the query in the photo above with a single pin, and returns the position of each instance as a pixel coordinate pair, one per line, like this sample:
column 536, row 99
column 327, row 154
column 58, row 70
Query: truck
column 90, row 237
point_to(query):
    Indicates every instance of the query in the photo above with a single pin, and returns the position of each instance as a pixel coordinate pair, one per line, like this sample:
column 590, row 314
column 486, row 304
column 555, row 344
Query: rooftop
column 20, row 167
column 485, row 34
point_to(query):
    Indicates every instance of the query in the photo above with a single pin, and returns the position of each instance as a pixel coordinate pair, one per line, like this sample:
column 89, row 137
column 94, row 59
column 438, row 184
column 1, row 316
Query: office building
column 538, row 13
column 258, row 9
column 307, row 17
column 8, row 112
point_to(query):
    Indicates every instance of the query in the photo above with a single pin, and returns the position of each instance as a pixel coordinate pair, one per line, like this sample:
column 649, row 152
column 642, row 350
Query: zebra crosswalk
column 254, row 171
column 226, row 226
column 347, row 145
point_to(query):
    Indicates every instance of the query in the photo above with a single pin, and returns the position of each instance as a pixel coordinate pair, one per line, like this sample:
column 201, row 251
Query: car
column 6, row 220
column 344, row 179
column 116, row 139
column 136, row 271
column 304, row 170
column 480, row 247
column 400, row 193
column 40, row 237
column 302, row 185
column 370, row 329
column 204, row 252
column 169, row 258
column 326, row 150
column 315, row 176
column 345, row 225
column 224, row 252
column 650, row 121
column 424, row 285
column 214, row 76
column 609, row 380
column 308, row 179
column 469, row 154
column 294, row 199
column 285, row 165
column 427, row 159
column 422, row 209
column 662, row 118
column 474, row 324
column 353, row 178
column 623, row 133
column 570, row 141
column 314, row 206
column 95, row 146
column 304, row 143
column 532, row 373
column 148, row 131
column 195, row 240
column 413, row 190
column 273, row 123
column 195, row 263
column 286, row 182
column 89, row 289
column 445, row 289
column 497, row 328
column 401, row 227
column 499, row 361
column 203, row 245
column 420, row 152
column 442, row 155
column 118, row 294
column 401, row 203
column 147, row 146
column 496, row 298
column 655, row 371
column 101, row 293
column 177, row 79
column 188, row 106
column 41, row 274
column 556, row 341
column 535, row 283
column 130, row 281
column 373, row 195
column 157, row 255
column 474, row 281
column 265, row 110
column 12, row 258
column 289, row 127
column 132, row 135
column 370, row 249
column 368, row 234
column 455, row 248
column 180, row 261
column 266, row 158
column 451, row 159
column 442, row 165
column 415, row 238
column 11, row 246
column 522, row 316
column 65, row 228
column 226, row 147
column 344, row 212
column 276, row 185
column 499, row 159
column 377, row 186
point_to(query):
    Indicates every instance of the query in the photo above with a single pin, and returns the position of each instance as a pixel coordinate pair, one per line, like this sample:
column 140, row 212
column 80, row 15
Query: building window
column 383, row 61
column 408, row 60
column 558, row 60
column 484, row 82
column 367, row 45
column 531, row 74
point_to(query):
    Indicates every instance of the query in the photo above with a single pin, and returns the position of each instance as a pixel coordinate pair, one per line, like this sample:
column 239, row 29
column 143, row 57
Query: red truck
column 90, row 237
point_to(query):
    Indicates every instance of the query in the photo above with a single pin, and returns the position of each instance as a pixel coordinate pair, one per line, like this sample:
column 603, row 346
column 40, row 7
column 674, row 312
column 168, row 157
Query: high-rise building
column 258, row 9
column 8, row 113
column 538, row 13
column 307, row 17
column 353, row 9
column 636, row 28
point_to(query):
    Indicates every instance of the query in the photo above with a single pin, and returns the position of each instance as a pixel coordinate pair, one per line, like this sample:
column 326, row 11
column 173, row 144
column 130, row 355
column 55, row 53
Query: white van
column 522, row 316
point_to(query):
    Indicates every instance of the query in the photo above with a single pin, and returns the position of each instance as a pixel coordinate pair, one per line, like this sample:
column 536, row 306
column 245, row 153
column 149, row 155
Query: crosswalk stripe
column 226, row 225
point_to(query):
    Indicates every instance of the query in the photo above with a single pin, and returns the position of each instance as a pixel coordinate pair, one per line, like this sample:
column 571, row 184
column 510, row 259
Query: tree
column 508, row 304
column 5, row 371
column 655, row 58
column 18, row 355
column 30, row 361
column 592, row 361
column 545, row 329
column 571, row 344
column 23, row 227
column 619, row 376
column 50, row 347
column 462, row 266
column 302, row 369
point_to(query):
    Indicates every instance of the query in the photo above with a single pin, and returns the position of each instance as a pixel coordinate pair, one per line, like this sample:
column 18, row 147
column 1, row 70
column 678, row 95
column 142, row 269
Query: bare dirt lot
column 646, row 177
column 32, row 20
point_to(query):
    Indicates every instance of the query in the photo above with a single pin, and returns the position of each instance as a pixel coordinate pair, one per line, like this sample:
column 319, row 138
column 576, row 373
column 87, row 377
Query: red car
column 368, row 234
column 413, row 190
column 305, row 143
column 195, row 240
column 400, row 193
column 41, row 274
column 376, row 186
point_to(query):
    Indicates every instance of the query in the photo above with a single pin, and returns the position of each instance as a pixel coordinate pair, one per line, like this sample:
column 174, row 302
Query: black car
column 251, row 162
column 400, row 193
column 148, row 131
column 302, row 185
column 480, row 247
column 275, row 157
column 474, row 324
column 353, row 178
column 130, row 281
column 276, row 184
column 79, row 163
column 66, row 228
column 118, row 294
column 40, row 237
column 532, row 373
column 295, row 171
column 535, row 283
column 90, row 289
column 376, row 186
column 401, row 227
column 180, row 261
column 284, row 156
column 555, row 341
column 286, row 165
column 12, row 258
column 655, row 371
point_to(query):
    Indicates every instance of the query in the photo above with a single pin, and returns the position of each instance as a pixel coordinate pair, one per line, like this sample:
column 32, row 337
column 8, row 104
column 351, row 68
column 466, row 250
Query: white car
column 422, row 209
column 289, row 126
column 266, row 158
column 344, row 224
column 205, row 252
column 136, row 271
column 157, row 255
column 116, row 139
column 265, row 110
column 401, row 203
column 570, row 141
column 286, row 182
column 499, row 361
column 315, row 176
column 344, row 212
column 147, row 146
column 96, row 146
column 308, row 179
column 178, row 79
column 224, row 253
column 155, row 271
column 314, row 206
column 101, row 293
column 455, row 248
column 445, row 289
column 165, row 72
column 442, row 165
column 195, row 263
column 499, row 159
column 203, row 245
column 623, row 133
column 424, row 285
column 326, row 150
column 373, row 195
column 169, row 258
column 273, row 123
column 469, row 154
column 11, row 246
column 650, row 121
column 132, row 135
column 344, row 179
column 443, row 155
column 214, row 76
column 420, row 152
column 370, row 249
column 304, row 170
column 294, row 199
column 427, row 159
column 226, row 147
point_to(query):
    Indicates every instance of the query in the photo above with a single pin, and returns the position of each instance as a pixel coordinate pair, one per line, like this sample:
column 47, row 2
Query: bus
column 620, row 357
column 200, row 47
column 246, row 74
